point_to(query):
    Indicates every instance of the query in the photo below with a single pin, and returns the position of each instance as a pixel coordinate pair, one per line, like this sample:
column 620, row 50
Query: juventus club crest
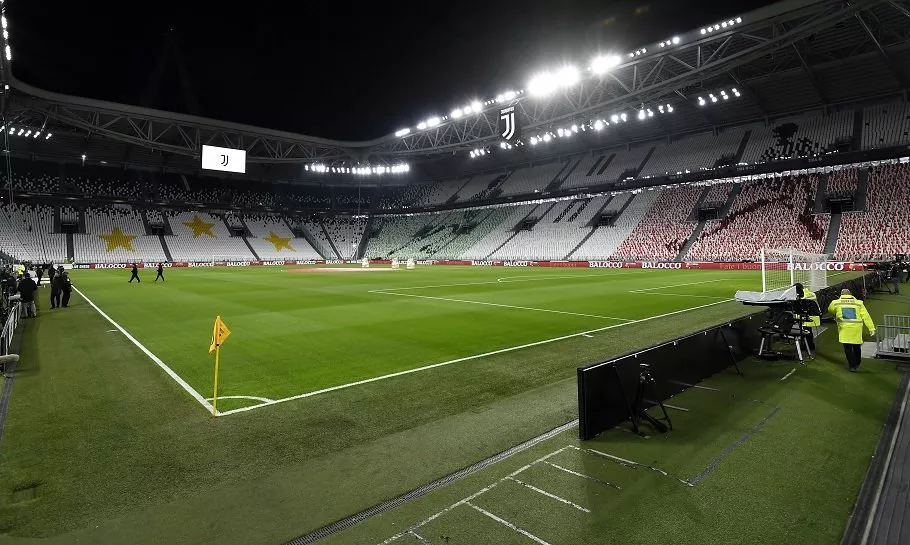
column 508, row 128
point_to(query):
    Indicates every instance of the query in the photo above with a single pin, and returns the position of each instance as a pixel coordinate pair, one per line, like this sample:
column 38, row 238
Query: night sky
column 335, row 69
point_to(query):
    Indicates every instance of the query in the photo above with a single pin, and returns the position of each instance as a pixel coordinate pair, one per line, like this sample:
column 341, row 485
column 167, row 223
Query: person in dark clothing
column 39, row 270
column 27, row 289
column 56, row 289
column 135, row 274
column 160, row 272
column 51, row 273
column 66, row 287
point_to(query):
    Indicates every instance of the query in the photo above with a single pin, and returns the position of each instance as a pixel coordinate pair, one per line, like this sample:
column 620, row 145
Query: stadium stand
column 604, row 241
column 503, row 223
column 555, row 234
column 886, row 125
column 664, row 230
column 579, row 177
column 799, row 136
column 346, row 233
column 27, row 232
column 615, row 164
column 769, row 213
column 842, row 183
column 691, row 154
column 313, row 227
column 271, row 238
column 417, row 195
column 115, row 235
column 717, row 195
column 526, row 181
column 883, row 228
column 200, row 236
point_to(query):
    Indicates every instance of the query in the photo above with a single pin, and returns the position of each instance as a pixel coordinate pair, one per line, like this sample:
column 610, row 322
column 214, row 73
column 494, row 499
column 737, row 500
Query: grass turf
column 114, row 445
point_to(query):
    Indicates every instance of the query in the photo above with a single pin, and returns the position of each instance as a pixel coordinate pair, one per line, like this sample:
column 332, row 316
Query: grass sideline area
column 112, row 449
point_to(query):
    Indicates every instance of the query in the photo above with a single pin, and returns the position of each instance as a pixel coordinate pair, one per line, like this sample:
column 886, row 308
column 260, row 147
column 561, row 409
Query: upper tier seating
column 693, row 153
column 886, row 126
column 717, row 194
column 525, row 181
column 842, row 183
column 609, row 170
column 769, row 213
column 346, row 233
column 883, row 229
column 800, row 136
column 663, row 231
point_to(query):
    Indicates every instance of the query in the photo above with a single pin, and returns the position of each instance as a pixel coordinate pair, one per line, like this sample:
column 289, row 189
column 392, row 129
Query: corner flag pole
column 215, row 394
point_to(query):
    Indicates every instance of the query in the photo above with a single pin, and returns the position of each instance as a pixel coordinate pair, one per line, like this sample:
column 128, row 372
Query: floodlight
column 739, row 20
column 716, row 27
column 20, row 132
column 5, row 35
column 675, row 40
column 306, row 167
column 422, row 125
column 48, row 136
column 433, row 121
column 702, row 31
column 623, row 116
column 641, row 114
column 83, row 157
column 660, row 108
column 701, row 101
column 574, row 128
column 476, row 107
column 568, row 133
column 713, row 98
column 533, row 140
column 598, row 125
column 735, row 90
column 669, row 108
column 509, row 95
column 9, row 53
column 456, row 113
column 12, row 130
column 725, row 96
column 3, row 22
column 500, row 98
column 724, row 24
column 402, row 132
column 604, row 63
column 730, row 22
column 560, row 132
column 29, row 133
column 547, row 137
column 650, row 113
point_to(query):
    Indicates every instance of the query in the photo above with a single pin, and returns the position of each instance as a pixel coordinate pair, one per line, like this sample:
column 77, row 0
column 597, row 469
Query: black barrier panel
column 606, row 390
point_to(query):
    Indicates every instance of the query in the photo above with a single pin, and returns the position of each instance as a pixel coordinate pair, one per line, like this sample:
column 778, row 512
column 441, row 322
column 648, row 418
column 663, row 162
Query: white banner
column 225, row 159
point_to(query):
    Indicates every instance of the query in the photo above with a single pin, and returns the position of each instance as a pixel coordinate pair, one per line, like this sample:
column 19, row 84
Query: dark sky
column 330, row 68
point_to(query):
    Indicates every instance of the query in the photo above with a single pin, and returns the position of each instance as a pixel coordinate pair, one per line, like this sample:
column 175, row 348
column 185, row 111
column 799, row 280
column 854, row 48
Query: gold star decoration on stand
column 117, row 239
column 200, row 227
column 279, row 242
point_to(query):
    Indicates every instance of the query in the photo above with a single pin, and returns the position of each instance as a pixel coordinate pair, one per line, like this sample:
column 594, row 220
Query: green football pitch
column 297, row 332
column 342, row 389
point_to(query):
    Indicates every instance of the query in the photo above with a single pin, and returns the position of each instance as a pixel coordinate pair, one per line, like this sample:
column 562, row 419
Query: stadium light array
column 604, row 63
column 360, row 171
column 721, row 95
column 672, row 41
column 402, row 132
column 545, row 83
column 723, row 25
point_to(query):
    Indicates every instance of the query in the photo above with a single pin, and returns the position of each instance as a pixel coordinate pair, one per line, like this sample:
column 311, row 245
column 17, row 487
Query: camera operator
column 809, row 308
column 894, row 275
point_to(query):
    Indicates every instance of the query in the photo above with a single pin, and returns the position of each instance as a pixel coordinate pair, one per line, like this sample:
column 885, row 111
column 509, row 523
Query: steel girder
column 756, row 49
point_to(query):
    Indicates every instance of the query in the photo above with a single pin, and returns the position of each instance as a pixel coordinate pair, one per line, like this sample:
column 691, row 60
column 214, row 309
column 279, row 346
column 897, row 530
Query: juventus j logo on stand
column 508, row 127
column 224, row 160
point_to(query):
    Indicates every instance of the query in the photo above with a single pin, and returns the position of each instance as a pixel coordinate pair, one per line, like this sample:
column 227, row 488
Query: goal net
column 781, row 268
column 229, row 257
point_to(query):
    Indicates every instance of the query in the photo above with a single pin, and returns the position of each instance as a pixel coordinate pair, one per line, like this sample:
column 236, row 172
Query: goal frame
column 804, row 267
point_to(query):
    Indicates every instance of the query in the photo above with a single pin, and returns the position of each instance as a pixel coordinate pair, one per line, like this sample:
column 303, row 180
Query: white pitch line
column 550, row 495
column 679, row 295
column 466, row 358
column 263, row 399
column 588, row 336
column 785, row 377
column 582, row 475
column 480, row 492
column 196, row 395
column 678, row 285
column 508, row 524
column 502, row 281
column 675, row 407
column 419, row 538
column 390, row 292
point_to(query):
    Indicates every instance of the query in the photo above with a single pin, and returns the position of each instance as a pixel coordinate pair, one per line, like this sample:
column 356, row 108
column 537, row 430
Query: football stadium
column 654, row 295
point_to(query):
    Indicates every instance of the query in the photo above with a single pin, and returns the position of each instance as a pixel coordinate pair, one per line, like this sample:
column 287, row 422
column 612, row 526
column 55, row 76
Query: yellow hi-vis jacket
column 850, row 314
column 814, row 320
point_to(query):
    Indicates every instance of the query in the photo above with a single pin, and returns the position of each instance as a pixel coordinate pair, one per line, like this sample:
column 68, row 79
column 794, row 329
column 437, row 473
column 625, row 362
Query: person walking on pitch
column 135, row 274
column 160, row 272
column 851, row 315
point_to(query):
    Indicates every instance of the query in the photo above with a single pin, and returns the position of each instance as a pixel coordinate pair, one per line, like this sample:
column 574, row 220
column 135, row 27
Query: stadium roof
column 788, row 57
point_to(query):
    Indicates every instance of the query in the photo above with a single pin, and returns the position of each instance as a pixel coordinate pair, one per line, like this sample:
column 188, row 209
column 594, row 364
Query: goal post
column 781, row 268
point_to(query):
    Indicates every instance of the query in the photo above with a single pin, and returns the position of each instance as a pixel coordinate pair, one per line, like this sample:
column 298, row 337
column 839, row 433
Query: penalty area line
column 466, row 358
column 196, row 395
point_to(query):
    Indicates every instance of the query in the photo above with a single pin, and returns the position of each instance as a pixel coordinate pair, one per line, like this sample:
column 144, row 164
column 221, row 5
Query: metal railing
column 9, row 328
column 893, row 337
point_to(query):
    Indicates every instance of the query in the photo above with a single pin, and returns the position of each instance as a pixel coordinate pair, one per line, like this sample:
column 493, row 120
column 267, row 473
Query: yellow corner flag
column 219, row 334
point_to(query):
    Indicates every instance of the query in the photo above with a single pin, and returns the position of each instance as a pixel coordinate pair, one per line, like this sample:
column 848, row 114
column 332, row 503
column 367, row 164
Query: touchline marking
column 679, row 295
column 588, row 336
column 503, row 280
column 508, row 524
column 550, row 495
column 678, row 285
column 389, row 292
column 196, row 395
column 263, row 399
column 785, row 377
column 419, row 538
column 466, row 358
